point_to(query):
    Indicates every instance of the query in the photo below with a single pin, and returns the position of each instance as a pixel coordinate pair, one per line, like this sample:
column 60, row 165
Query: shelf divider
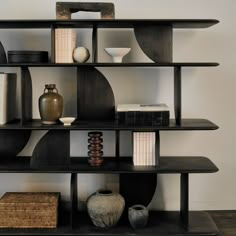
column 53, row 44
column 184, row 199
column 177, row 95
column 94, row 45
column 73, row 200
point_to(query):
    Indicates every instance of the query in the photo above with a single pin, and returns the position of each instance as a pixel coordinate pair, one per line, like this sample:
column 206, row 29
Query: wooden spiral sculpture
column 95, row 153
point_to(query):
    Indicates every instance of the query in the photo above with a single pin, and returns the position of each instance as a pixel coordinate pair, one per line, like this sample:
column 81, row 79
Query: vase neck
column 104, row 192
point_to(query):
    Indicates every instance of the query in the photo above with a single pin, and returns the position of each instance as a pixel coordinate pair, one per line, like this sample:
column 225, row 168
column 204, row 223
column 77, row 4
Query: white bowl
column 67, row 120
column 117, row 54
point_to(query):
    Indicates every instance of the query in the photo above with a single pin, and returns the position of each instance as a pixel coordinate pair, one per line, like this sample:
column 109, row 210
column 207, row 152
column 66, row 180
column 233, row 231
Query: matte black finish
column 177, row 95
column 140, row 192
column 94, row 45
column 121, row 23
column 27, row 56
column 117, row 154
column 96, row 100
column 155, row 41
column 157, row 147
column 52, row 150
column 105, row 64
column 184, row 199
column 3, row 56
column 167, row 165
column 186, row 124
column 12, row 142
column 52, row 44
column 73, row 199
column 26, row 95
column 159, row 224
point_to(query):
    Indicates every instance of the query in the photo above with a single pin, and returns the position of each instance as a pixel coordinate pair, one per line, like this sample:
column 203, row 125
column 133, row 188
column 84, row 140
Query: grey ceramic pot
column 50, row 105
column 138, row 216
column 105, row 208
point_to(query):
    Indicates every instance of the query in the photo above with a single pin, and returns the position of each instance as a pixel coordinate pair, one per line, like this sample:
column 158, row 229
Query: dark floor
column 225, row 221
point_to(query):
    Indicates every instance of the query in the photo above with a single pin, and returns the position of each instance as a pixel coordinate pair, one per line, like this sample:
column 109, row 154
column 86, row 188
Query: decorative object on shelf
column 117, row 54
column 143, row 114
column 65, row 9
column 65, row 43
column 50, row 105
column 67, row 120
column 12, row 142
column 29, row 210
column 138, row 216
column 144, row 149
column 95, row 147
column 7, row 97
column 3, row 56
column 52, row 151
column 105, row 208
column 99, row 105
column 27, row 56
column 81, row 54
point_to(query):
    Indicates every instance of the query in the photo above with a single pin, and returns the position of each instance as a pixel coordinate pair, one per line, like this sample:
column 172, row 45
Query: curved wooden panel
column 95, row 96
column 155, row 41
column 3, row 57
column 137, row 188
column 13, row 141
column 52, row 150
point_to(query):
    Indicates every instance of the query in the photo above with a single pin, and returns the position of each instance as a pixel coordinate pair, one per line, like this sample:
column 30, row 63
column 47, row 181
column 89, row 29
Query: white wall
column 207, row 93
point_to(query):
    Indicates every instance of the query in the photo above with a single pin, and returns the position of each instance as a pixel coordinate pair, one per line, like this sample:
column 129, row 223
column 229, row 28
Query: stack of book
column 144, row 153
column 65, row 43
column 7, row 97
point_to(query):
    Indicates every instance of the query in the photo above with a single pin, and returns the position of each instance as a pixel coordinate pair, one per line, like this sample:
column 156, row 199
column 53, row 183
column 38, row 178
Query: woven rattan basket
column 29, row 210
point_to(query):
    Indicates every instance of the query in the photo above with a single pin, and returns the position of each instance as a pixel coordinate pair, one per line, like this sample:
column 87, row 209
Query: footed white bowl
column 117, row 54
column 67, row 120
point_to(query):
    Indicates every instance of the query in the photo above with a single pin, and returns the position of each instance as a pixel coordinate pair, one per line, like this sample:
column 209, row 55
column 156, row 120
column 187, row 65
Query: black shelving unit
column 72, row 222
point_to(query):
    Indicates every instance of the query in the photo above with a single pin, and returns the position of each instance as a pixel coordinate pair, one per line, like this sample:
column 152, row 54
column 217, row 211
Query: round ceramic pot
column 105, row 208
column 138, row 216
column 50, row 105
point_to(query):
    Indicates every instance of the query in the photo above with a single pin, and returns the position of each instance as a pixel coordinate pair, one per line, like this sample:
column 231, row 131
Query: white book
column 7, row 97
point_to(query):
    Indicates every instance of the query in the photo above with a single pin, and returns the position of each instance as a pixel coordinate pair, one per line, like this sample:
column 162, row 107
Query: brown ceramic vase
column 50, row 105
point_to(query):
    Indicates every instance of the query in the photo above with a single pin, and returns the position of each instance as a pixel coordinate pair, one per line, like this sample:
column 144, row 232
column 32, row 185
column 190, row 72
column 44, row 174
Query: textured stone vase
column 50, row 105
column 105, row 208
column 138, row 216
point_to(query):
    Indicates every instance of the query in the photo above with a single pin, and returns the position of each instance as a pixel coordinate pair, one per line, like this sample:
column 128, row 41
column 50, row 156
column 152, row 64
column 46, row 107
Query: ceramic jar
column 50, row 105
column 138, row 216
column 105, row 208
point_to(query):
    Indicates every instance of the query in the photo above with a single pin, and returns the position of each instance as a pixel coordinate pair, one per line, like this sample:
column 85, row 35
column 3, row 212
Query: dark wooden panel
column 168, row 165
column 105, row 64
column 155, row 41
column 52, row 150
column 12, row 142
column 135, row 190
column 73, row 200
column 119, row 23
column 94, row 45
column 26, row 95
column 3, row 56
column 177, row 95
column 184, row 199
column 186, row 124
column 95, row 96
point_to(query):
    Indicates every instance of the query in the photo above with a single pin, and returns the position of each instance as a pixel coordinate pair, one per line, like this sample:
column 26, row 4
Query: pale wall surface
column 207, row 93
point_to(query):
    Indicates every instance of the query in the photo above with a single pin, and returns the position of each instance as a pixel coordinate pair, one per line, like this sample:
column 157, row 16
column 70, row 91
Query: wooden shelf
column 117, row 23
column 159, row 224
column 107, row 64
column 187, row 124
column 167, row 165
